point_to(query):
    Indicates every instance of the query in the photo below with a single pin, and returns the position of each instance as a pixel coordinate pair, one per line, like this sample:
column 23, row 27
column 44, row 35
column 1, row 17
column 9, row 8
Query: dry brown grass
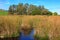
column 44, row 25
column 9, row 24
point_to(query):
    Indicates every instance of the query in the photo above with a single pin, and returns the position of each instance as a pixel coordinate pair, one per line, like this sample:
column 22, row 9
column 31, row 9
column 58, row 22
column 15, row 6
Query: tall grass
column 43, row 25
column 9, row 25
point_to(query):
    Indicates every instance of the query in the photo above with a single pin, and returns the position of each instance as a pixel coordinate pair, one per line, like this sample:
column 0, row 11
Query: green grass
column 3, row 13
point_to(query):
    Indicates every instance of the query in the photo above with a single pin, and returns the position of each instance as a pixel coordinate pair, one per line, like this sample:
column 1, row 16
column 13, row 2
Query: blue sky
column 52, row 5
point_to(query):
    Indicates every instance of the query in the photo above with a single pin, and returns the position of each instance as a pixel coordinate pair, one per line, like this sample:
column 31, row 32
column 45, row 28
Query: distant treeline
column 29, row 9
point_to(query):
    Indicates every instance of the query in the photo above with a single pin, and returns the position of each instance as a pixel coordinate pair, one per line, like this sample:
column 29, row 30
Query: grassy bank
column 3, row 13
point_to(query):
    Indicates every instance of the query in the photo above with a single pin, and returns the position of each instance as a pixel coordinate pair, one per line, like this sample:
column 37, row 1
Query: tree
column 36, row 12
column 43, row 10
column 55, row 13
column 26, row 8
column 12, row 9
column 49, row 13
column 20, row 8
column 31, row 8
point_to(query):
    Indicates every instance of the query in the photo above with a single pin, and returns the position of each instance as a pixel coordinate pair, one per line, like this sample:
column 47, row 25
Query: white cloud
column 1, row 3
column 7, row 3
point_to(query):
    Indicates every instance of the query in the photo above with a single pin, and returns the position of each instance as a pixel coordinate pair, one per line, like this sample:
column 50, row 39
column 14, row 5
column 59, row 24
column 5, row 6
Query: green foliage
column 3, row 13
column 12, row 9
column 26, row 9
column 15, row 34
column 38, row 37
column 36, row 12
column 55, row 13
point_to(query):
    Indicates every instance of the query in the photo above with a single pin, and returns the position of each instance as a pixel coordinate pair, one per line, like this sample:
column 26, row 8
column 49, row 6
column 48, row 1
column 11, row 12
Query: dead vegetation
column 43, row 25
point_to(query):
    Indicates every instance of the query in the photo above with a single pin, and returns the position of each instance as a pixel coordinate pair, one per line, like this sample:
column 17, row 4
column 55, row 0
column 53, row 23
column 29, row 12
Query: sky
column 52, row 5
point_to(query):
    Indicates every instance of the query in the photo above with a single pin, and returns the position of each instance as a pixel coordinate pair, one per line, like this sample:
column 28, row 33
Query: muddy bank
column 10, row 38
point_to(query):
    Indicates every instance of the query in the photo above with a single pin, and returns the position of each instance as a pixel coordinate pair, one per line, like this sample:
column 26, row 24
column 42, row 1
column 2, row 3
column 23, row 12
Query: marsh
column 26, row 32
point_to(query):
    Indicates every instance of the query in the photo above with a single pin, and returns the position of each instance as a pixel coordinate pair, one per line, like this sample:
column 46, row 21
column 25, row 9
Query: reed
column 43, row 25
